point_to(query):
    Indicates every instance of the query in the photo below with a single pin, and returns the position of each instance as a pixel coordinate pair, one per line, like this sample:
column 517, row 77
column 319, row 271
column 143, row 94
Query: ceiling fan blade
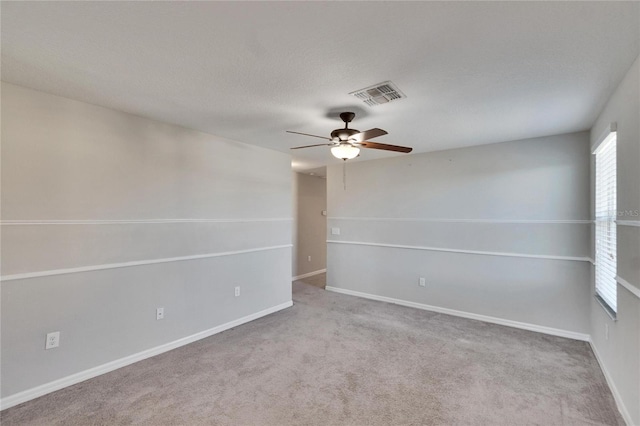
column 384, row 146
column 310, row 146
column 307, row 134
column 368, row 134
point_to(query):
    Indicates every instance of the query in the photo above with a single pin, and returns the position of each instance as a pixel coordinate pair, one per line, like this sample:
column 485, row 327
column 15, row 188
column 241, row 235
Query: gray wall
column 620, row 353
column 85, row 188
column 310, row 199
column 527, row 197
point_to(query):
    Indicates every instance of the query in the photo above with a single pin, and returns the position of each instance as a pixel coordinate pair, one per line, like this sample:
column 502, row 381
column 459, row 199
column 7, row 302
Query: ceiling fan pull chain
column 344, row 173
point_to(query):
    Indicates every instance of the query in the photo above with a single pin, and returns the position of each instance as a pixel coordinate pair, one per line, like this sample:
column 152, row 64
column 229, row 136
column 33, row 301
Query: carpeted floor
column 333, row 359
column 319, row 280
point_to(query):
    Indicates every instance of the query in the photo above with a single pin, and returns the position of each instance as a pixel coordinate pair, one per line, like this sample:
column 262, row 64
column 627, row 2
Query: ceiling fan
column 346, row 143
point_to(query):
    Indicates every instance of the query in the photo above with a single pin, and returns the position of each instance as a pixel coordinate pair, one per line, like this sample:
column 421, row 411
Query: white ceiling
column 473, row 73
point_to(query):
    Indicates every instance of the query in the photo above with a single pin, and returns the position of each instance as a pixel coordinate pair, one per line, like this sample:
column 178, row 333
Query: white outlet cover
column 237, row 291
column 335, row 231
column 422, row 282
column 160, row 313
column 53, row 340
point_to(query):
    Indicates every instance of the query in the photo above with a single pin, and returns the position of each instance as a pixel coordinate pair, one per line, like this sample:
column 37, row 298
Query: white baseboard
column 614, row 390
column 469, row 315
column 41, row 390
column 309, row 274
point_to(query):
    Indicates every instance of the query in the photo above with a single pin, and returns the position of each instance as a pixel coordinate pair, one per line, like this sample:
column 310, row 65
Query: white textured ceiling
column 473, row 73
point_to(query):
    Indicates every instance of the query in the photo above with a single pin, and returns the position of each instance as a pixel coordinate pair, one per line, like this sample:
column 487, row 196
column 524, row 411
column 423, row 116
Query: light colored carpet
column 333, row 359
column 319, row 280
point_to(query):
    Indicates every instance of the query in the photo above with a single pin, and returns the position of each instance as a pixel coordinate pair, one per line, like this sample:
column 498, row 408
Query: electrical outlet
column 159, row 313
column 237, row 292
column 335, row 231
column 53, row 340
column 422, row 282
column 308, row 258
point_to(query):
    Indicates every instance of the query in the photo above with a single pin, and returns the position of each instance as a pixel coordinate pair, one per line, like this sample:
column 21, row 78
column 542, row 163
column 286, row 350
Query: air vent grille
column 379, row 94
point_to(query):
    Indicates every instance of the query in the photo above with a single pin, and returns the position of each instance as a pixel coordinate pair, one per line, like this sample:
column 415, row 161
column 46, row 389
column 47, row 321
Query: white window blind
column 606, row 211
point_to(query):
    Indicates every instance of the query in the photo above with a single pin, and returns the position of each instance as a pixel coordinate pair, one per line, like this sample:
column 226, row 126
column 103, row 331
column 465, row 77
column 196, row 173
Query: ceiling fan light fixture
column 345, row 151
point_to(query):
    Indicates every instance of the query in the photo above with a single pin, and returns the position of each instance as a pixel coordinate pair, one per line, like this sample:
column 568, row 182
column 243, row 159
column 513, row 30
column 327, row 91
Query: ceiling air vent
column 379, row 94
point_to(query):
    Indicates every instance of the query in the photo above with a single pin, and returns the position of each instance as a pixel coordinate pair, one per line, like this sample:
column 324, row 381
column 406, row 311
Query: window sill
column 606, row 307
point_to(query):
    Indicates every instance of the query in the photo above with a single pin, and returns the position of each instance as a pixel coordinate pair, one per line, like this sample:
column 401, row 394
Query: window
column 605, row 211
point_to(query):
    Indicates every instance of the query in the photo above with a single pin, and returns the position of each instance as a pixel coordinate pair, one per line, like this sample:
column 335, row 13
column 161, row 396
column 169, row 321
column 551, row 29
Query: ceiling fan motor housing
column 343, row 134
